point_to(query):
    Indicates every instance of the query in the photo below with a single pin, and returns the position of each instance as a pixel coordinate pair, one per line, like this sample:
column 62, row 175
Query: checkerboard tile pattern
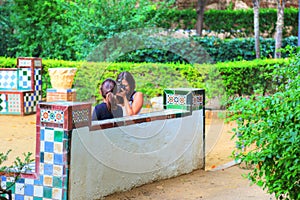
column 3, row 103
column 32, row 99
column 8, row 79
column 38, row 79
column 25, row 78
column 52, row 182
column 30, row 102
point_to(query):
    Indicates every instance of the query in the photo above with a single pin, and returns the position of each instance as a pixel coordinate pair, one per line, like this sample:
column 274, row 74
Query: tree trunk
column 279, row 27
column 256, row 27
column 200, row 16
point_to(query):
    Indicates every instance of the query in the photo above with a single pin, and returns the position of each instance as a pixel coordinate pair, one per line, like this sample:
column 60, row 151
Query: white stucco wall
column 117, row 159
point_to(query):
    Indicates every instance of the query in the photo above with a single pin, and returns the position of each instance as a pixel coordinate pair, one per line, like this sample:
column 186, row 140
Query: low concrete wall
column 120, row 158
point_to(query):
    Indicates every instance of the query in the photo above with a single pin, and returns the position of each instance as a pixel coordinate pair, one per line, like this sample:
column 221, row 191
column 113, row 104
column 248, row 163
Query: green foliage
column 268, row 128
column 6, row 29
column 217, row 49
column 244, row 78
column 49, row 29
column 238, row 23
column 8, row 62
column 19, row 166
column 69, row 30
column 223, row 80
column 150, row 45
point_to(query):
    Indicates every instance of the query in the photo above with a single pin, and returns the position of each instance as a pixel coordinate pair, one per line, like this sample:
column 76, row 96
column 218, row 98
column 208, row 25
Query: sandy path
column 18, row 134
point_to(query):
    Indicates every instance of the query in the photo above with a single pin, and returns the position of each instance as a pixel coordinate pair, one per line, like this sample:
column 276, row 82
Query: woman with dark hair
column 108, row 109
column 130, row 99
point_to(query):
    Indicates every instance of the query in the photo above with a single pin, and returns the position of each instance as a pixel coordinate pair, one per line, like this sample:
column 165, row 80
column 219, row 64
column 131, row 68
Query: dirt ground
column 18, row 133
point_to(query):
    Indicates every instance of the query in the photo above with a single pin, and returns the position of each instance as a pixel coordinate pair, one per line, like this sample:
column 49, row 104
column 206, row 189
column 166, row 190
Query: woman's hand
column 122, row 93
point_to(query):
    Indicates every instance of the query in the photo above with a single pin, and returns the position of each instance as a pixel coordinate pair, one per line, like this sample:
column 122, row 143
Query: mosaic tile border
column 52, row 116
column 75, row 114
column 184, row 98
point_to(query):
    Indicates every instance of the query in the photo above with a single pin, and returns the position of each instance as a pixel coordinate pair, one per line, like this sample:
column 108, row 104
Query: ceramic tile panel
column 14, row 103
column 24, row 62
column 80, row 116
column 30, row 102
column 53, row 150
column 3, row 103
column 52, row 181
column 176, row 99
column 25, row 79
column 8, row 79
column 52, row 116
column 38, row 79
column 38, row 63
column 197, row 101
column 183, row 98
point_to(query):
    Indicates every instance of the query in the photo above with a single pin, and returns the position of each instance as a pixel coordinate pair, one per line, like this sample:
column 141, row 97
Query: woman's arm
column 136, row 106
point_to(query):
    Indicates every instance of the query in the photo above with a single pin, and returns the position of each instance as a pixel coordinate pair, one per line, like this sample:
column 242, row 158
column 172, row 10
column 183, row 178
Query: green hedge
column 239, row 23
column 219, row 50
column 236, row 78
column 248, row 77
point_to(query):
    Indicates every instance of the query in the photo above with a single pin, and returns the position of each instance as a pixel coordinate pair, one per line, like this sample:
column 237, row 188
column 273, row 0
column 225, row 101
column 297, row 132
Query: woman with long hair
column 131, row 100
column 108, row 109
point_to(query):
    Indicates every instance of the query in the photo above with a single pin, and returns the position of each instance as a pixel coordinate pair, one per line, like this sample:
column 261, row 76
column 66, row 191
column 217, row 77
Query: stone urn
column 62, row 78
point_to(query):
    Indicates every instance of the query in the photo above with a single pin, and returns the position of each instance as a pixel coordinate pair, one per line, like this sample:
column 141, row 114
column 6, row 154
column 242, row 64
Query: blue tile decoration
column 58, row 159
column 48, row 169
column 32, row 99
column 60, row 90
column 49, row 146
column 28, row 189
column 52, row 181
column 25, row 81
column 25, row 78
column 8, row 80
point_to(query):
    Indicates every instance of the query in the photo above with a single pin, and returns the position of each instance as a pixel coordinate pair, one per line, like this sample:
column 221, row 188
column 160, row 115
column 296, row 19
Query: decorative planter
column 62, row 78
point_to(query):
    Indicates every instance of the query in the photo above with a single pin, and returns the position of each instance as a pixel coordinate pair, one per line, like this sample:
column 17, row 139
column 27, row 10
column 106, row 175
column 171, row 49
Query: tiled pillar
column 55, row 122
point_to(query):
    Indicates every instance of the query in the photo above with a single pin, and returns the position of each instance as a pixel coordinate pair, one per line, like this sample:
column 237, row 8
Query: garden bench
column 21, row 87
